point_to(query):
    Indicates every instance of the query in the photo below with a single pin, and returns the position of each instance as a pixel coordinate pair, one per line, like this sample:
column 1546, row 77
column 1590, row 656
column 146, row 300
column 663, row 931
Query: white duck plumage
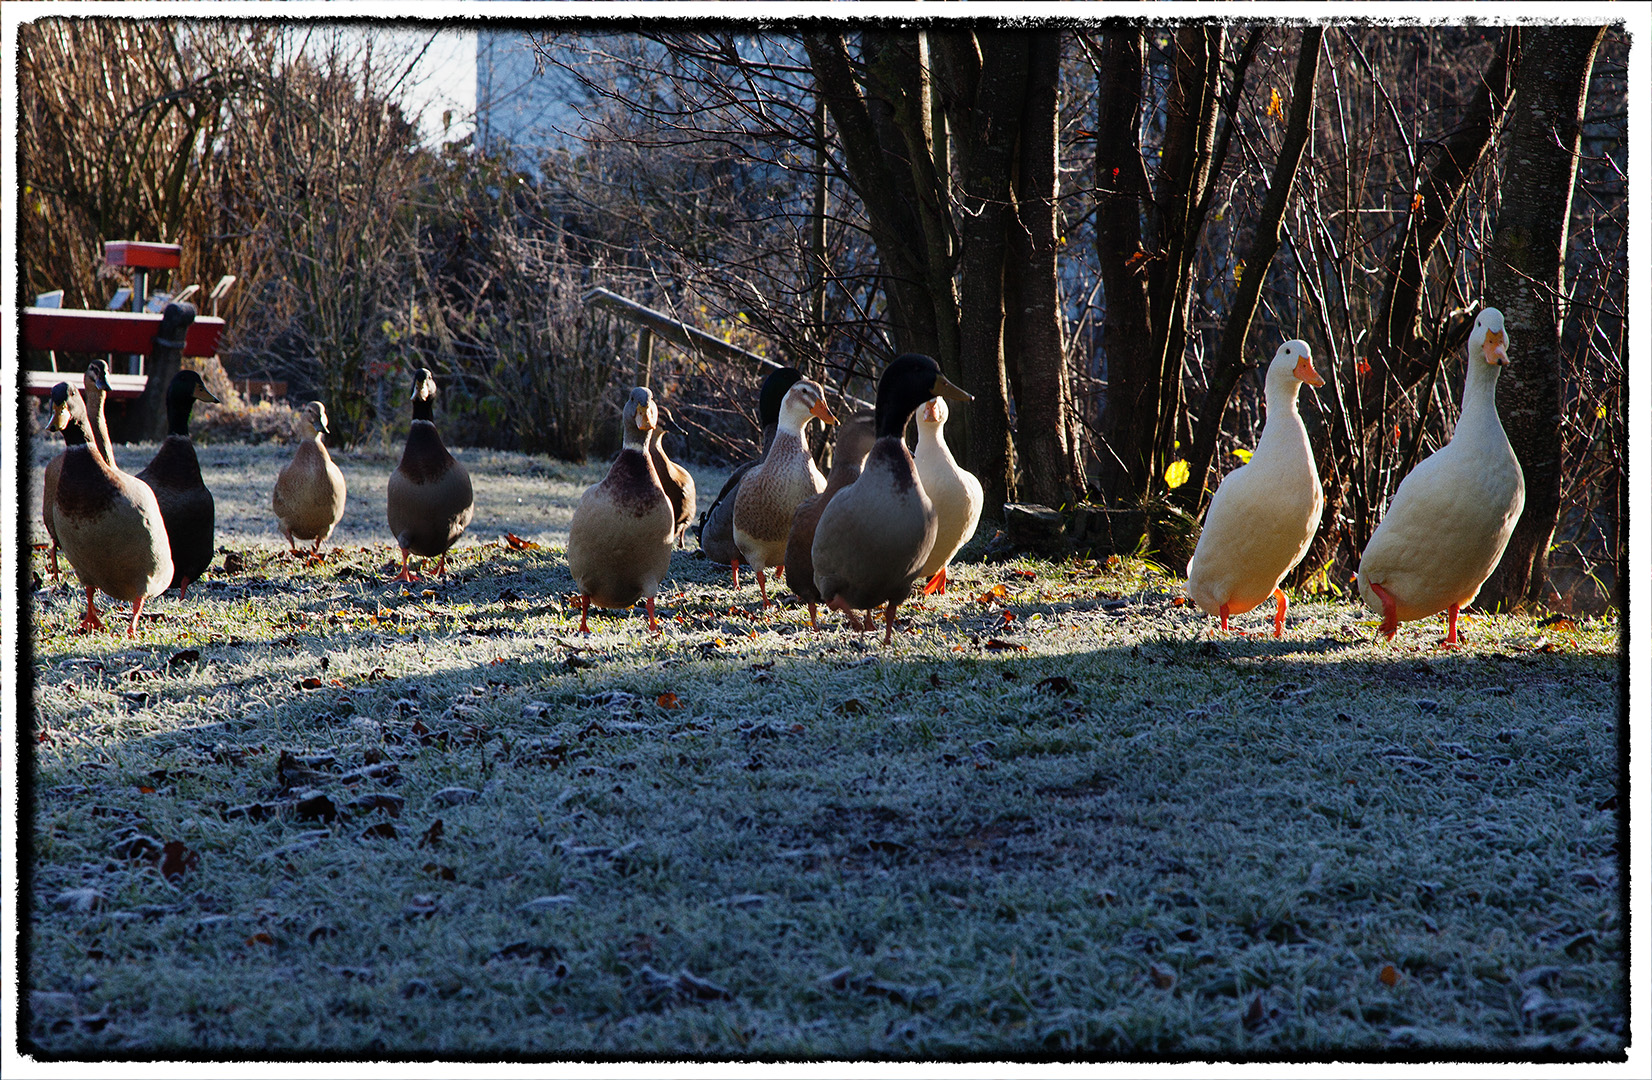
column 954, row 490
column 1451, row 517
column 1264, row 513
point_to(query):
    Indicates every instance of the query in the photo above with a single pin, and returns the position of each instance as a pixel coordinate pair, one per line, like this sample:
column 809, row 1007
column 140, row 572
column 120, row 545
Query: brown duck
column 875, row 534
column 854, row 439
column 769, row 494
column 623, row 530
column 108, row 522
column 430, row 501
column 174, row 475
column 96, row 383
column 677, row 482
column 309, row 490
column 716, row 530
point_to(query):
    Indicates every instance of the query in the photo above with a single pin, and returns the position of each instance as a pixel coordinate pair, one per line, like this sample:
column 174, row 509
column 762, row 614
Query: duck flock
column 855, row 540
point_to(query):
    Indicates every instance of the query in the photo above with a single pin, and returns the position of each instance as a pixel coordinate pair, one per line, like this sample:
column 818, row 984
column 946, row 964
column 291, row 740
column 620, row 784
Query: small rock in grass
column 547, row 903
column 79, row 900
column 1428, row 706
column 455, row 796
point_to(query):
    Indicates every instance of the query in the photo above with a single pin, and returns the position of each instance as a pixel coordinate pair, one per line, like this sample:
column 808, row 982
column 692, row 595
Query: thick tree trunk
column 1526, row 280
column 1046, row 447
column 1123, row 459
column 986, row 151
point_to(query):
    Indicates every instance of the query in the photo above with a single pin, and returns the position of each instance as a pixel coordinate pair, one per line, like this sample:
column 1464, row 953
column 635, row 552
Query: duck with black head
column 174, row 474
column 429, row 503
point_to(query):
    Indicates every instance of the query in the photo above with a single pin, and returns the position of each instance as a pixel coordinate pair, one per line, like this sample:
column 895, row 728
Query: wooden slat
column 140, row 253
column 83, row 331
column 40, row 383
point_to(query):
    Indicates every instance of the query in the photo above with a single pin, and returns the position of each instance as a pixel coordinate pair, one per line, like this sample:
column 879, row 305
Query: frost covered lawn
column 310, row 812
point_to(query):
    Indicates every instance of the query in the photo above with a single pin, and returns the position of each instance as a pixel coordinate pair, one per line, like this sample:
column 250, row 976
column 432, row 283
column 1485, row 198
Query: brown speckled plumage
column 854, row 440
column 623, row 530
column 875, row 533
column 770, row 493
column 94, row 383
column 309, row 490
column 108, row 522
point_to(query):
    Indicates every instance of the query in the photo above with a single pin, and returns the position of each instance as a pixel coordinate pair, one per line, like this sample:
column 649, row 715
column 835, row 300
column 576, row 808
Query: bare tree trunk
column 986, row 151
column 1120, row 60
column 1526, row 280
column 1051, row 472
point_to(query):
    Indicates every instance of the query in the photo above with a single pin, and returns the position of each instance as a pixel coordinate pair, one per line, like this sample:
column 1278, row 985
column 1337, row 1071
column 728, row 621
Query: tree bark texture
column 1046, row 440
column 1526, row 280
column 986, row 151
column 1123, row 191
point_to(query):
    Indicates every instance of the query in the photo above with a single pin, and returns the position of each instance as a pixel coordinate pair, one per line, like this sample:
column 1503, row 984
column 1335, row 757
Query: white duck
column 953, row 489
column 1264, row 513
column 1451, row 517
column 768, row 495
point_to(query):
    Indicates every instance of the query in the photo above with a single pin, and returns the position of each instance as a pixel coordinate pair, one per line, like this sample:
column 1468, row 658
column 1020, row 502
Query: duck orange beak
column 931, row 411
column 648, row 418
column 1305, row 371
column 820, row 412
column 1496, row 348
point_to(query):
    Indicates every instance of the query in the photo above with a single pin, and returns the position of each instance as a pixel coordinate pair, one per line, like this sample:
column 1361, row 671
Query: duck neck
column 424, row 409
column 934, row 437
column 178, row 409
column 96, row 423
column 1480, row 397
column 635, row 438
column 1283, row 420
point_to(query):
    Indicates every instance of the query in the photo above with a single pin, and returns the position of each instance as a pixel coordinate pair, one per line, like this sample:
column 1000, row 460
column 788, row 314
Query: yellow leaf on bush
column 1276, row 107
column 1176, row 474
column 1243, row 455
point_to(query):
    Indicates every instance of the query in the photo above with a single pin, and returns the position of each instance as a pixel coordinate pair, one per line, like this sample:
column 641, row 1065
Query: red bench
column 72, row 330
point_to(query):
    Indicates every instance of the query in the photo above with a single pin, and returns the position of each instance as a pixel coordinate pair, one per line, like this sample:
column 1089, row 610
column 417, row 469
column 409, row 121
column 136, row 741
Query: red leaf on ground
column 668, row 700
column 177, row 859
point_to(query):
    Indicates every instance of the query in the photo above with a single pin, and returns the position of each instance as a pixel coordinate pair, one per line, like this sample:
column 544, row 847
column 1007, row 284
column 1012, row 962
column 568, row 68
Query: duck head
column 424, row 395
column 315, row 414
column 773, row 393
column 639, row 417
column 934, row 413
column 910, row 380
column 68, row 413
column 1295, row 358
column 1489, row 341
column 185, row 389
column 97, row 374
column 805, row 399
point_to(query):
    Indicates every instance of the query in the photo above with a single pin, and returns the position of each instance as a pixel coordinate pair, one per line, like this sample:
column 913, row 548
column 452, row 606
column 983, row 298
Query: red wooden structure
column 123, row 332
